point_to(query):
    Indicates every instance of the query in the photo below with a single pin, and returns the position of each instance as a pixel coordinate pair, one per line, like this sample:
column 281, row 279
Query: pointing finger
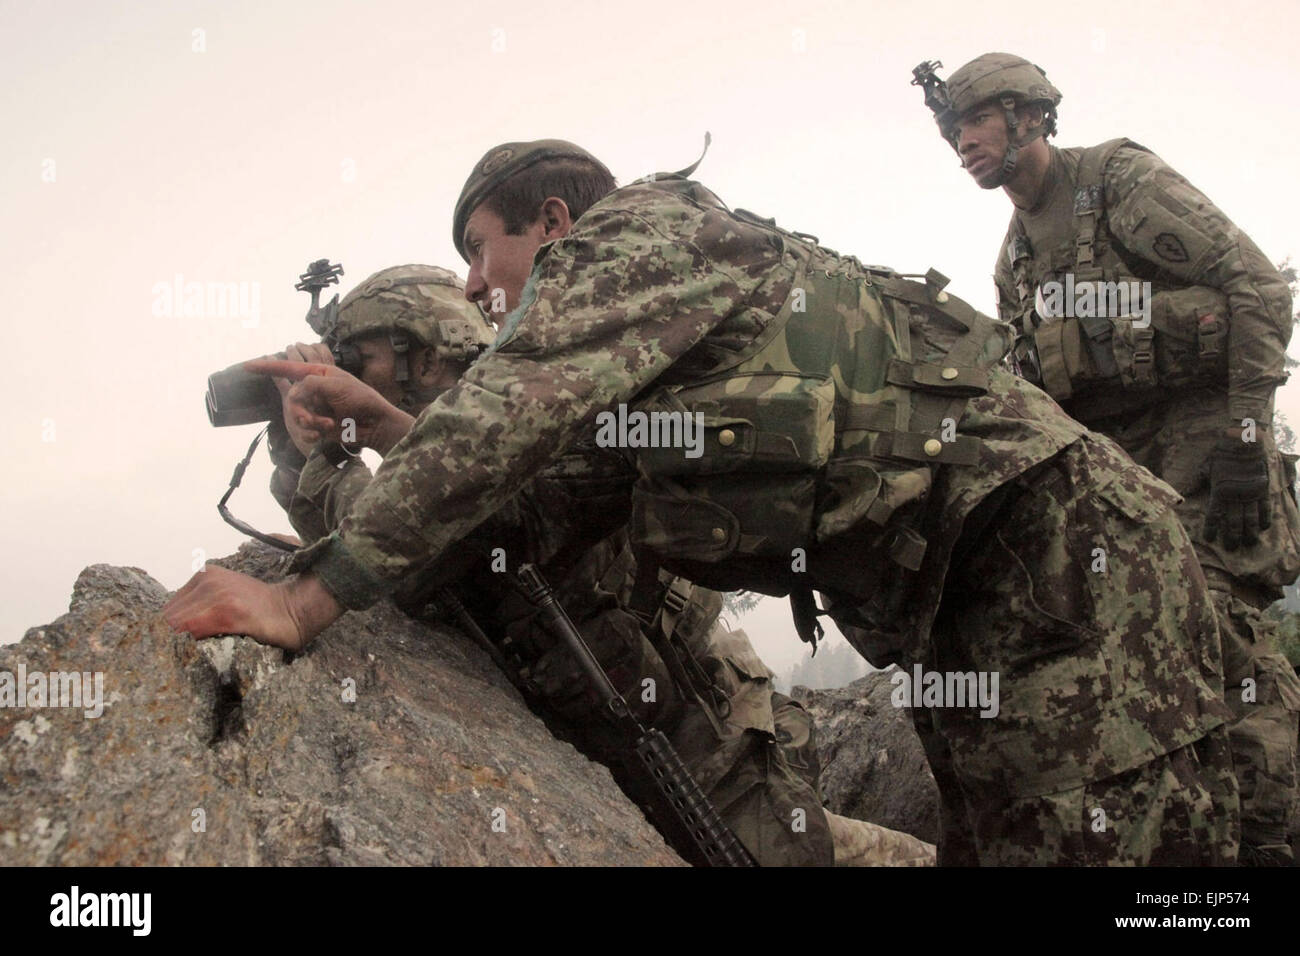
column 294, row 370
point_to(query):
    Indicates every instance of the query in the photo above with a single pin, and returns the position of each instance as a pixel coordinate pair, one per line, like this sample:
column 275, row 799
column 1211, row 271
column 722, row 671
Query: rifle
column 684, row 814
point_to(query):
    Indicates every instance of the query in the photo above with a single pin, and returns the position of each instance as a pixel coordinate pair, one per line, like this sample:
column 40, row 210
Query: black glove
column 1239, row 504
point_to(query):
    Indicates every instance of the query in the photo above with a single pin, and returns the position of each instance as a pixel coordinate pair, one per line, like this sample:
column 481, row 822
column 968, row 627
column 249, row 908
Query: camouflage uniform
column 1174, row 430
column 1220, row 319
column 752, row 750
column 830, row 392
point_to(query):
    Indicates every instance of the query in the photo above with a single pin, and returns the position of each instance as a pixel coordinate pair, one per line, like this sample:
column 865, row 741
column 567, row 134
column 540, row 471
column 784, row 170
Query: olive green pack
column 835, row 418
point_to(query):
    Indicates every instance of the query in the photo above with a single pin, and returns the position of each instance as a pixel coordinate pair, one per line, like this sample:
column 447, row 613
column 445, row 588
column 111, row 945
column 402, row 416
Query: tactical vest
column 1104, row 364
column 825, row 437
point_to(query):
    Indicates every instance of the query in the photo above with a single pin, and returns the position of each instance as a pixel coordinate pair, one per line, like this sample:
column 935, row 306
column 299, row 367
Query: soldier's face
column 982, row 142
column 499, row 263
column 379, row 366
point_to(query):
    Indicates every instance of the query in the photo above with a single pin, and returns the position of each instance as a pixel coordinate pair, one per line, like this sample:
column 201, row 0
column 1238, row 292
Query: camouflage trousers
column 757, row 758
column 1174, row 440
column 1180, row 809
column 1263, row 693
column 1083, row 593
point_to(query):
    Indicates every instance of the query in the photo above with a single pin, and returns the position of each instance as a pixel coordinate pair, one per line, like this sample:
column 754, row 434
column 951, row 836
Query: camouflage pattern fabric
column 1062, row 602
column 323, row 495
column 874, row 845
column 1158, row 227
column 1177, row 810
column 657, row 280
column 761, row 771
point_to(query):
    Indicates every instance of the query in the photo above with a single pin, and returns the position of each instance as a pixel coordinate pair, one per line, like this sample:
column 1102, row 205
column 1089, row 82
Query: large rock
column 386, row 742
column 873, row 766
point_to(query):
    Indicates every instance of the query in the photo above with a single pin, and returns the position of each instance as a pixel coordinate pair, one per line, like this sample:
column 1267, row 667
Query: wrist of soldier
column 391, row 429
column 351, row 584
column 311, row 605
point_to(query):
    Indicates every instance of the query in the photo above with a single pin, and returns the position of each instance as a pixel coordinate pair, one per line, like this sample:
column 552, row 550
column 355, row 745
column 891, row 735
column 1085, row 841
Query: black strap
column 803, row 605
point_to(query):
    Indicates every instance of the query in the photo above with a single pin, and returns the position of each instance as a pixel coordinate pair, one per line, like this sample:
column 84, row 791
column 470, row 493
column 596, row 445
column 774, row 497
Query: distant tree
column 737, row 603
column 834, row 666
column 1282, row 431
column 1285, row 610
column 1291, row 276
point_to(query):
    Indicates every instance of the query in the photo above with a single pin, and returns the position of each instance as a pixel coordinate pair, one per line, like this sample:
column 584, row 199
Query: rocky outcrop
column 873, row 766
column 387, row 742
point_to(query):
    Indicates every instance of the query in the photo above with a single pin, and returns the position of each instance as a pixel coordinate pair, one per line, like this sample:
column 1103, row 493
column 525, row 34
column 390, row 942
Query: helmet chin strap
column 1013, row 142
column 1008, row 166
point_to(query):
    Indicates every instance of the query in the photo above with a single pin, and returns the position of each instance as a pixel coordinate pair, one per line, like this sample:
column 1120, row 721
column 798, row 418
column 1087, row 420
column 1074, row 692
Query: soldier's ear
column 1033, row 116
column 555, row 219
column 428, row 365
column 434, row 372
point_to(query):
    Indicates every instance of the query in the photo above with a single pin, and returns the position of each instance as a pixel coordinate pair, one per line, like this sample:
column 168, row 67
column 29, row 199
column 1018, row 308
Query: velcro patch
column 1087, row 198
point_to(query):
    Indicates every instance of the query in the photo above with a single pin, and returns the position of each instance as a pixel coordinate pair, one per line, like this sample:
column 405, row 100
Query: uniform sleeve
column 1004, row 284
column 605, row 312
column 288, row 461
column 1159, row 216
column 324, row 495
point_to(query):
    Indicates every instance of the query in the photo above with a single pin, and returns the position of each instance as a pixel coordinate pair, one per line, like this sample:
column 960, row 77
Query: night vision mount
column 936, row 94
column 320, row 274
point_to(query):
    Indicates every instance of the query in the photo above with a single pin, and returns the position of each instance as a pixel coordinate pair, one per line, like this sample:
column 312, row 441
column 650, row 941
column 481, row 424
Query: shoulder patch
column 1170, row 248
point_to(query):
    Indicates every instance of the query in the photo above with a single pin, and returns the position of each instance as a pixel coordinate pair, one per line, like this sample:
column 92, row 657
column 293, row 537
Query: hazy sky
column 232, row 142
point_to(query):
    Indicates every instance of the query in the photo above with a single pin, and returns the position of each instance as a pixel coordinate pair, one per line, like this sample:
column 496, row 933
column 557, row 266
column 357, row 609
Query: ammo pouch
column 782, row 468
column 772, row 434
column 1185, row 343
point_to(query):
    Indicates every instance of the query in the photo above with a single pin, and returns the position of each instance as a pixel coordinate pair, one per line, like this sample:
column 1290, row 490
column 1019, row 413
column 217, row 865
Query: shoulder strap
column 1090, row 197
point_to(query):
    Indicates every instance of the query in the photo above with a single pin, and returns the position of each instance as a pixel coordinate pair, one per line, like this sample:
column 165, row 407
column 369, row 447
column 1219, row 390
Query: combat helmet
column 417, row 306
column 1010, row 80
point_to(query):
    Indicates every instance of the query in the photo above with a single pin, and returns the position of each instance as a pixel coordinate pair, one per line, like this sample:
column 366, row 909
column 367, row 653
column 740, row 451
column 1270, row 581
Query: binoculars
column 239, row 397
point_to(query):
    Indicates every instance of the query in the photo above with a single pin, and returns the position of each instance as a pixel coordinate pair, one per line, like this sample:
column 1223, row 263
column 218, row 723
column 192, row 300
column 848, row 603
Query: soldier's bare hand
column 217, row 601
column 301, row 352
column 327, row 402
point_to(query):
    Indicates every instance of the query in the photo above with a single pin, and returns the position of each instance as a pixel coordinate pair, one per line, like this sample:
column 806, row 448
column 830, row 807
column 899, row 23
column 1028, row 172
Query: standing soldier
column 1152, row 319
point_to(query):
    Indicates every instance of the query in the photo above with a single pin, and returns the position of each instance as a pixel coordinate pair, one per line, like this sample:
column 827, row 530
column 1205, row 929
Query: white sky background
column 346, row 129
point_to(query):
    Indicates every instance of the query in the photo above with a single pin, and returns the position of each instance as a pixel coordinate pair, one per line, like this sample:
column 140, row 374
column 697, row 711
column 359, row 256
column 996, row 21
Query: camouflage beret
column 500, row 163
column 426, row 302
